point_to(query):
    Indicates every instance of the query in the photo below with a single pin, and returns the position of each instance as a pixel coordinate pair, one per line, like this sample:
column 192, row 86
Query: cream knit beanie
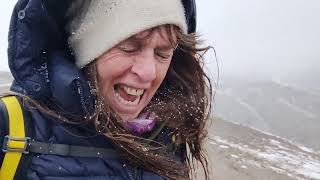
column 102, row 24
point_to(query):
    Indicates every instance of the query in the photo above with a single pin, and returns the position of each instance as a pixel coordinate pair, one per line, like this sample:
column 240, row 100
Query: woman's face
column 131, row 72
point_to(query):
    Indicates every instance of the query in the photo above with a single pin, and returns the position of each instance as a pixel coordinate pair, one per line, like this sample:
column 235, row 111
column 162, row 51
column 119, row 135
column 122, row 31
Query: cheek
column 162, row 70
column 109, row 69
column 106, row 64
column 104, row 74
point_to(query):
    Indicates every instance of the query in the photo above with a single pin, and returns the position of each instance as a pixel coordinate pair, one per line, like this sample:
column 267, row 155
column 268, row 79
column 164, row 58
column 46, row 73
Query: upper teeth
column 133, row 91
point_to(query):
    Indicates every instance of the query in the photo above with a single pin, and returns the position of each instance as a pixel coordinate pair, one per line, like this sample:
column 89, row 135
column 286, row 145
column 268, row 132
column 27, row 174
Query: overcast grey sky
column 5, row 13
column 262, row 37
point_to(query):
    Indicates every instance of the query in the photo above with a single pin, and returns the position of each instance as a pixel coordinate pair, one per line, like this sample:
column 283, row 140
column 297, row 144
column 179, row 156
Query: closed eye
column 163, row 55
column 128, row 49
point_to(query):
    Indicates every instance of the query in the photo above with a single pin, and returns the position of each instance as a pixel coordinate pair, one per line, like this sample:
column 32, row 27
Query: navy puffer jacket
column 43, row 70
column 53, row 167
column 42, row 128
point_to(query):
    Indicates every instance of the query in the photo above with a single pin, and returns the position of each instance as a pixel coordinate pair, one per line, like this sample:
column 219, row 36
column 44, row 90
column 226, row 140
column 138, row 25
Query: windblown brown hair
column 183, row 101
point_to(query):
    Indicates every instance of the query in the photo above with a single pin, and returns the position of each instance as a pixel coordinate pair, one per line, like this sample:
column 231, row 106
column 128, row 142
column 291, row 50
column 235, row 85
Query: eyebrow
column 166, row 47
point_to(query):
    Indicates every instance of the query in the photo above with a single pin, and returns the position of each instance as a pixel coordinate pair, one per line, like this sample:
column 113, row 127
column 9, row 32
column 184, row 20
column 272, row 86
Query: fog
column 262, row 38
column 253, row 38
column 5, row 11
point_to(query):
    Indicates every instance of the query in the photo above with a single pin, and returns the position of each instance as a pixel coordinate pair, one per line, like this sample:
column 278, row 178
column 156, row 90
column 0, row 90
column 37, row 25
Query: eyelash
column 133, row 50
column 163, row 56
column 128, row 50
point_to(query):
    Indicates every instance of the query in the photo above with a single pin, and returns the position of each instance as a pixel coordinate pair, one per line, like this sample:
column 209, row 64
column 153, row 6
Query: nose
column 145, row 66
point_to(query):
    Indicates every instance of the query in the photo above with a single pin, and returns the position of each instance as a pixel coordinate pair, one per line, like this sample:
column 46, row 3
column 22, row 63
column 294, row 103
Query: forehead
column 165, row 33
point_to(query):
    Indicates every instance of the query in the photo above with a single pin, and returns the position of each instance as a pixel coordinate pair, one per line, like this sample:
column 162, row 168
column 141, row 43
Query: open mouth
column 128, row 95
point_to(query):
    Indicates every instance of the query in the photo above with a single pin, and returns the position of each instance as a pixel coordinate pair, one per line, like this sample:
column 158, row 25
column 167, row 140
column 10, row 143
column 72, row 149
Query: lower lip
column 125, row 108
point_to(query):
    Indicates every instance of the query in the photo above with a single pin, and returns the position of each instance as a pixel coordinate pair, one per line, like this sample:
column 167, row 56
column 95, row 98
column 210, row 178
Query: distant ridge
column 272, row 106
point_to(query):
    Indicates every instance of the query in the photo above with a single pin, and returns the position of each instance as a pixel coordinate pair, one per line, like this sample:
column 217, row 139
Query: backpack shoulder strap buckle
column 15, row 144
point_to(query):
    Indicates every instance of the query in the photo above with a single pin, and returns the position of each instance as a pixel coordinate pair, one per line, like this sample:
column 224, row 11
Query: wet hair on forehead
column 167, row 32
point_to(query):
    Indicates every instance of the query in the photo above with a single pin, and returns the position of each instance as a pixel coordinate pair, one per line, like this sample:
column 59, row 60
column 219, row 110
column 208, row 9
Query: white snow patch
column 224, row 147
column 213, row 143
column 244, row 167
column 309, row 150
column 234, row 156
column 311, row 170
column 274, row 142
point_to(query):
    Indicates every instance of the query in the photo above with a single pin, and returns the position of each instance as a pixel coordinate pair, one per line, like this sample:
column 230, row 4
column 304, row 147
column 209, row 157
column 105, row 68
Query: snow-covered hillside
column 285, row 110
column 242, row 153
